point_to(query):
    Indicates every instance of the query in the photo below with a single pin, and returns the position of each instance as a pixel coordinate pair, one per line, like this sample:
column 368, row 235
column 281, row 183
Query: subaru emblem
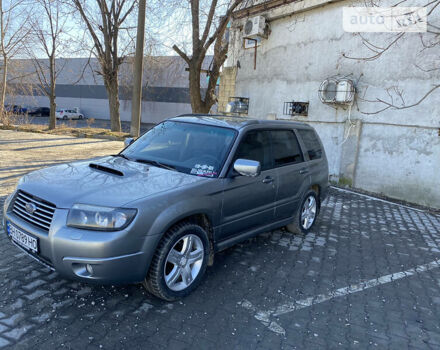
column 31, row 207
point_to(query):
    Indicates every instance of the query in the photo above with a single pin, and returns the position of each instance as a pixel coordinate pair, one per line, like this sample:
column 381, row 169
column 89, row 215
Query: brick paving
column 367, row 276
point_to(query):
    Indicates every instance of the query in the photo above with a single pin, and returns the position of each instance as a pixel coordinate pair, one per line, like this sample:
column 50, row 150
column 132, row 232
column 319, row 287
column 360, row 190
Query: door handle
column 303, row 171
column 268, row 180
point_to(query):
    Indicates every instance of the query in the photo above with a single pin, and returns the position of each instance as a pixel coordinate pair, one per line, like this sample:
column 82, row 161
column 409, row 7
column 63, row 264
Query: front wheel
column 179, row 263
column 306, row 215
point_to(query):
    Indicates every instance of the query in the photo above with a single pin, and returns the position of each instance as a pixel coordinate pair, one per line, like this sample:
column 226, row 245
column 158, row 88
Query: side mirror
column 128, row 141
column 247, row 167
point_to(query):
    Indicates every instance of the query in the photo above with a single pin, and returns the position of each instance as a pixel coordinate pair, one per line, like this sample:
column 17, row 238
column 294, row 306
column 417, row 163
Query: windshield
column 195, row 149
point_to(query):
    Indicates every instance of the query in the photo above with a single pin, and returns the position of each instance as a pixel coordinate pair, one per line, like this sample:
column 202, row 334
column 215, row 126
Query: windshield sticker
column 203, row 170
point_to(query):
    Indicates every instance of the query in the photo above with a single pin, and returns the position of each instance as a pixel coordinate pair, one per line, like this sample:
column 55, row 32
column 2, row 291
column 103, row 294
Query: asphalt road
column 98, row 123
column 367, row 276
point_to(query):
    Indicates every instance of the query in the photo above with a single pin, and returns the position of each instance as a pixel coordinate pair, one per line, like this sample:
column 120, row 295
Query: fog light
column 89, row 269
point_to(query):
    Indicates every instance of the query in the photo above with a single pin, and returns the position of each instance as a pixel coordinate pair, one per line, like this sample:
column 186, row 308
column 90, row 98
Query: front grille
column 43, row 214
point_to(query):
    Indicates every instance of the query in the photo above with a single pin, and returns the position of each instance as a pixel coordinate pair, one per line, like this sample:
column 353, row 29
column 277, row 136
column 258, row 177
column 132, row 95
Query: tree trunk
column 52, row 96
column 3, row 89
column 197, row 104
column 112, row 87
column 53, row 108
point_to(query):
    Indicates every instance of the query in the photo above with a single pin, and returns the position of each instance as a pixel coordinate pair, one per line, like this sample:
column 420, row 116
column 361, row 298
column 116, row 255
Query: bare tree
column 14, row 30
column 48, row 28
column 104, row 21
column 202, row 41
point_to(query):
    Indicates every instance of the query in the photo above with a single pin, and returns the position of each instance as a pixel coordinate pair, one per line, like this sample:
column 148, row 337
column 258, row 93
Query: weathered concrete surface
column 350, row 151
column 399, row 150
column 408, row 167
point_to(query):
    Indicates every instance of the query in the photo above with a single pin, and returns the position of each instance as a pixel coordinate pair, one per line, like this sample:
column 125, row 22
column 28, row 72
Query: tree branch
column 182, row 54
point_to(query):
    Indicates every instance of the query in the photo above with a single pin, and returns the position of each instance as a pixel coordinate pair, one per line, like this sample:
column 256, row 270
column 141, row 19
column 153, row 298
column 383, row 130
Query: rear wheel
column 65, row 117
column 179, row 263
column 306, row 216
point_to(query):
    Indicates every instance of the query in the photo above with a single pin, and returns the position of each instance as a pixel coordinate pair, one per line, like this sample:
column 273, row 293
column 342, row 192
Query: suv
column 158, row 211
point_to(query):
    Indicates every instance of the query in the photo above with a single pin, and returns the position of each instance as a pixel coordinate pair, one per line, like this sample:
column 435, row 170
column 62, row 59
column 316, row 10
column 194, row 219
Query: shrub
column 90, row 122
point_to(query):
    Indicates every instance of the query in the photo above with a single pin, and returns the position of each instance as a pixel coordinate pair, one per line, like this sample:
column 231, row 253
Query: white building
column 395, row 152
column 165, row 91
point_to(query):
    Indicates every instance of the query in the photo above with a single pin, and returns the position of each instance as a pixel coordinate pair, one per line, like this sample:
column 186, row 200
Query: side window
column 285, row 148
column 255, row 146
column 312, row 143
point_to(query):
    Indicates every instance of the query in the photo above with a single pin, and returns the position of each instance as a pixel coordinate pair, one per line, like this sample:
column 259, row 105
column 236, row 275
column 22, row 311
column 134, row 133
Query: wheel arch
column 186, row 210
column 317, row 188
column 197, row 217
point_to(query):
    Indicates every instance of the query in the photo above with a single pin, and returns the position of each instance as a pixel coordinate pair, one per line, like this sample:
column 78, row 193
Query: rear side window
column 256, row 146
column 313, row 146
column 285, row 148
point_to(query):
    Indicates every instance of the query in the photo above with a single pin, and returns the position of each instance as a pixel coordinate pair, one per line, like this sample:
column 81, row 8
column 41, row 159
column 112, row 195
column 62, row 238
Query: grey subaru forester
column 158, row 211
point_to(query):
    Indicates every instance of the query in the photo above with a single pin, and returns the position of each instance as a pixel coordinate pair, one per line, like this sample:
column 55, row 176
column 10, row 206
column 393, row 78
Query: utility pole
column 138, row 70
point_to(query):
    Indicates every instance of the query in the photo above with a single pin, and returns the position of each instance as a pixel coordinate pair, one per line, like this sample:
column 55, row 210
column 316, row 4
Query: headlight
column 99, row 218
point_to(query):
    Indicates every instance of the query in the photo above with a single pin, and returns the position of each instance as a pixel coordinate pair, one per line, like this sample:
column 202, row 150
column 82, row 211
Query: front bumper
column 112, row 257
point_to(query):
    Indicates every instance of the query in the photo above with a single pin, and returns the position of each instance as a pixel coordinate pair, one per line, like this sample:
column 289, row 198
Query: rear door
column 249, row 202
column 315, row 157
column 292, row 172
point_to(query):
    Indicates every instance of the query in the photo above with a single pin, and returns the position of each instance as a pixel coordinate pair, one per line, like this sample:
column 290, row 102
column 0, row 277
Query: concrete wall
column 227, row 87
column 396, row 152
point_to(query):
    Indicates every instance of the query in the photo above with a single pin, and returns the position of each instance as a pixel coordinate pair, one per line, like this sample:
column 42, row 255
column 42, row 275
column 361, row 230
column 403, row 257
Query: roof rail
column 200, row 114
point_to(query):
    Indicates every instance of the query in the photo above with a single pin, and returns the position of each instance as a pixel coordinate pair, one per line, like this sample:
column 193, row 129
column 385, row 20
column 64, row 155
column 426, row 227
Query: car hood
column 109, row 181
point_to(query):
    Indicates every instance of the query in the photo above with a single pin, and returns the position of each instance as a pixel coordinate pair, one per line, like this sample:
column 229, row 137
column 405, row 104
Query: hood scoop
column 106, row 169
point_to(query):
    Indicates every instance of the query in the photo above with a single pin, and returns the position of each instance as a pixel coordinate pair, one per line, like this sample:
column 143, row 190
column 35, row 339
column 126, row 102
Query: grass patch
column 71, row 131
column 345, row 181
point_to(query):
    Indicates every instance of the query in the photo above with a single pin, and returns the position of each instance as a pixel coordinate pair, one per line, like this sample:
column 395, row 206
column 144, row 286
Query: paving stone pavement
column 355, row 239
column 366, row 276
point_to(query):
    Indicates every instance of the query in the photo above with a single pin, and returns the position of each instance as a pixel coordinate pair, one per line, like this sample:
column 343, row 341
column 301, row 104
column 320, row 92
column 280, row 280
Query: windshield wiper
column 121, row 155
column 155, row 163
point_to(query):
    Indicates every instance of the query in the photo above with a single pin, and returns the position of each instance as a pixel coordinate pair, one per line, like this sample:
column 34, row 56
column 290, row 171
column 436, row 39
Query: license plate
column 23, row 239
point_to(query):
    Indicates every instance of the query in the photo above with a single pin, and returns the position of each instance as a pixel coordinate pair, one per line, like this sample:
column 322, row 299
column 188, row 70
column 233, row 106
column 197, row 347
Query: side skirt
column 229, row 242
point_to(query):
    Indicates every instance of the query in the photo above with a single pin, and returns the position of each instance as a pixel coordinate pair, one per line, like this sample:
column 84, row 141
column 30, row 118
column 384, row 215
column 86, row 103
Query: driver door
column 249, row 202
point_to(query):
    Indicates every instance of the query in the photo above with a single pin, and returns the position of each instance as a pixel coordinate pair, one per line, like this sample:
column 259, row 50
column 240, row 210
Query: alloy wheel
column 308, row 212
column 183, row 262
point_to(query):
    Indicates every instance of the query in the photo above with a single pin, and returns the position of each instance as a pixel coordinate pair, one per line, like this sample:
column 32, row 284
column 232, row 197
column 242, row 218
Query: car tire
column 65, row 117
column 80, row 117
column 177, row 268
column 306, row 215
